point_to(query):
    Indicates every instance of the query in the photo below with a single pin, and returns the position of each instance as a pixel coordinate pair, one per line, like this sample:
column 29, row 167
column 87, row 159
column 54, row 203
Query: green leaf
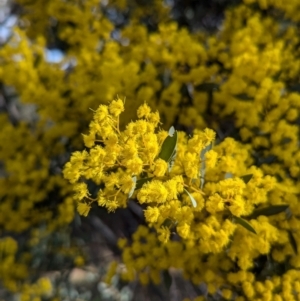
column 133, row 187
column 167, row 279
column 288, row 213
column 268, row 211
column 139, row 183
column 247, row 178
column 172, row 161
column 192, row 199
column 244, row 223
column 244, row 97
column 207, row 87
column 37, row 61
column 168, row 147
column 202, row 181
column 285, row 140
column 293, row 242
column 167, row 223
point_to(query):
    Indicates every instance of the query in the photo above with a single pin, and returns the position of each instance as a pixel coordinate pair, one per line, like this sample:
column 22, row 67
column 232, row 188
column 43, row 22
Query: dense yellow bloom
column 111, row 271
column 151, row 214
column 183, row 230
column 211, row 159
column 116, row 107
column 189, row 197
column 163, row 234
column 153, row 191
column 160, row 167
column 227, row 294
column 80, row 191
column 252, row 66
column 215, row 203
column 143, row 111
column 44, row 285
column 83, row 209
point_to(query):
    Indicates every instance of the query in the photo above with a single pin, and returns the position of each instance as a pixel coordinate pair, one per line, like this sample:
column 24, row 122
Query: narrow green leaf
column 37, row 61
column 247, row 178
column 192, row 199
column 202, row 181
column 288, row 213
column 244, row 97
column 267, row 160
column 133, row 187
column 268, row 211
column 167, row 223
column 167, row 279
column 172, row 160
column 169, row 145
column 285, row 140
column 207, row 87
column 139, row 183
column 293, row 242
column 244, row 223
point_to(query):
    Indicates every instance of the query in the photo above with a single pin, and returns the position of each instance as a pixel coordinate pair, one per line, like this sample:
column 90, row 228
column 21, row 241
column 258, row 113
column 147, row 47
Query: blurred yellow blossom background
column 172, row 128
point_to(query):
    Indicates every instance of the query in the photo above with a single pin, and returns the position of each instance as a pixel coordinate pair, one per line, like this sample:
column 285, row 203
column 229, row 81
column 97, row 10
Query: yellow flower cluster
column 260, row 88
column 10, row 269
column 146, row 257
column 193, row 195
column 288, row 9
column 166, row 173
column 14, row 269
column 73, row 20
column 37, row 291
column 34, row 160
column 261, row 92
